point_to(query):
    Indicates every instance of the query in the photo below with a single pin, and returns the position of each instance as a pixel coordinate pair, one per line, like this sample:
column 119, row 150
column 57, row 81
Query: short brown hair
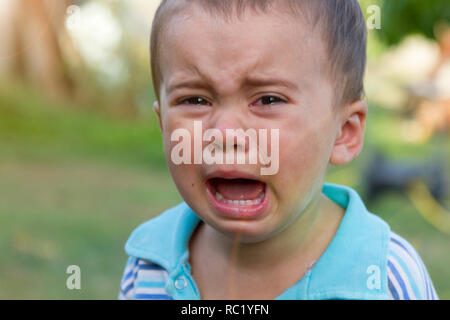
column 343, row 28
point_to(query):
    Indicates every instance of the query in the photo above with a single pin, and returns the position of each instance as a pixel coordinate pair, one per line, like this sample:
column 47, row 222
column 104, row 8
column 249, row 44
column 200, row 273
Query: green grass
column 54, row 215
column 75, row 183
column 31, row 126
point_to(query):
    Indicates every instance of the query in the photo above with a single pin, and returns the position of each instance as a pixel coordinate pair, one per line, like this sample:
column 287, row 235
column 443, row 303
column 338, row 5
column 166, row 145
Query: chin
column 243, row 230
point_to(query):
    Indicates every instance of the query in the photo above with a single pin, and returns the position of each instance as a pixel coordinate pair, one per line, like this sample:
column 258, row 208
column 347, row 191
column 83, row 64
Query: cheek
column 185, row 176
column 304, row 154
column 171, row 125
column 299, row 148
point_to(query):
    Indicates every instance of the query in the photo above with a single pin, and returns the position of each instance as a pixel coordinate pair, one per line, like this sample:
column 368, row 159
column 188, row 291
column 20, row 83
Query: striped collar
column 354, row 266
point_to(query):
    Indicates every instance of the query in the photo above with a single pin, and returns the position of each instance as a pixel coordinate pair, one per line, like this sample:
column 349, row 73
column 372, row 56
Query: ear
column 350, row 138
column 156, row 108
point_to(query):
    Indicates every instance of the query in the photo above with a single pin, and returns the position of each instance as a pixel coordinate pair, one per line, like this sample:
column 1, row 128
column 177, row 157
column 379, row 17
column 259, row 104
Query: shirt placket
column 181, row 285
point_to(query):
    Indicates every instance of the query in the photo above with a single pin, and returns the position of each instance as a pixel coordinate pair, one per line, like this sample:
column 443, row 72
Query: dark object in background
column 385, row 175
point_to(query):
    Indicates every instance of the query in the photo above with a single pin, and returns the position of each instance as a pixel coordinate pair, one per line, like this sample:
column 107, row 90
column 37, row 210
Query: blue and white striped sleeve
column 408, row 278
column 143, row 280
column 127, row 284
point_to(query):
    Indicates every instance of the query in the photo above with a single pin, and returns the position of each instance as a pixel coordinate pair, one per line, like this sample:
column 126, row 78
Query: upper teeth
column 221, row 198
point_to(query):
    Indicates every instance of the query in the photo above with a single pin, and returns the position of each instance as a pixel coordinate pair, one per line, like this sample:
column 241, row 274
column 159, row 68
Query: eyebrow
column 261, row 82
column 249, row 81
column 194, row 84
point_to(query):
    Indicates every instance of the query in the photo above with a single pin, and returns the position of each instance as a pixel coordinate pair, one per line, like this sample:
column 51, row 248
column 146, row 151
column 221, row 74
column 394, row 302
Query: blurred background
column 81, row 158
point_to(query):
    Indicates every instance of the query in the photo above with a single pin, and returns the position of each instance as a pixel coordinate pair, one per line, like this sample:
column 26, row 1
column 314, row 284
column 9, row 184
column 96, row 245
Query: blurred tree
column 404, row 17
column 33, row 50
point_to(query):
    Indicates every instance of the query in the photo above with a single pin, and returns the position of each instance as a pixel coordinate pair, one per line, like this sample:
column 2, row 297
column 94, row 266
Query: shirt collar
column 354, row 266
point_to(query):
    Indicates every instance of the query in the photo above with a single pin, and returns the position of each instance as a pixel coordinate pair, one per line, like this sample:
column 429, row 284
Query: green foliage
column 404, row 17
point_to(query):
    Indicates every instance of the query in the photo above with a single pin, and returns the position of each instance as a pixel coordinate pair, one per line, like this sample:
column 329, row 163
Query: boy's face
column 220, row 60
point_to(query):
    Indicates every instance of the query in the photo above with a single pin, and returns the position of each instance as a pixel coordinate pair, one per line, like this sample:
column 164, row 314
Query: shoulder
column 408, row 277
column 159, row 238
column 154, row 248
column 156, row 226
column 143, row 280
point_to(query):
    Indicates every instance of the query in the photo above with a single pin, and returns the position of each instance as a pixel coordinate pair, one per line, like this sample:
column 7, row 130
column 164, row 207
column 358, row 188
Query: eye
column 269, row 101
column 196, row 101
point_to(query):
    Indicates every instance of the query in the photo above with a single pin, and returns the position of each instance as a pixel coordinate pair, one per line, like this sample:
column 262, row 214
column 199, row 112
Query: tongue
column 239, row 189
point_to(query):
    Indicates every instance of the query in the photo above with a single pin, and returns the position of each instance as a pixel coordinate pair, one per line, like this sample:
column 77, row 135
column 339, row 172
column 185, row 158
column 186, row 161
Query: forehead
column 225, row 52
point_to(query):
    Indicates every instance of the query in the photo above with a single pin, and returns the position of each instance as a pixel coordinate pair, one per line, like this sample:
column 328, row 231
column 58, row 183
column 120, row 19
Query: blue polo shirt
column 359, row 263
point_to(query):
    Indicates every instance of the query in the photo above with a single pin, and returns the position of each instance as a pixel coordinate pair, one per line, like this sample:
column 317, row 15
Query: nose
column 230, row 123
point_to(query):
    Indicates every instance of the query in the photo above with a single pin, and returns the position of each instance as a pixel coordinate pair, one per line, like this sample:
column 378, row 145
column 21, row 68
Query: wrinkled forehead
column 197, row 43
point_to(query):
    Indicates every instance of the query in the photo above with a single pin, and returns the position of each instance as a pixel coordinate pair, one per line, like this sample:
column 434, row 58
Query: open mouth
column 237, row 197
column 242, row 192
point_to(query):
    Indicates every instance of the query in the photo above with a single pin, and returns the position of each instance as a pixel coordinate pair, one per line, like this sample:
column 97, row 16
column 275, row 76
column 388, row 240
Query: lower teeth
column 257, row 201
